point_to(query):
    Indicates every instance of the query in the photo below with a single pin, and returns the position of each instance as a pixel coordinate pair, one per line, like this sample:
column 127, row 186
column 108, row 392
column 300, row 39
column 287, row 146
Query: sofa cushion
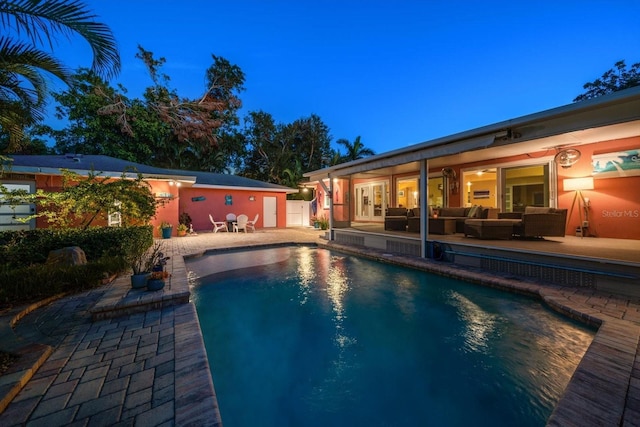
column 536, row 209
column 473, row 212
column 452, row 212
column 396, row 212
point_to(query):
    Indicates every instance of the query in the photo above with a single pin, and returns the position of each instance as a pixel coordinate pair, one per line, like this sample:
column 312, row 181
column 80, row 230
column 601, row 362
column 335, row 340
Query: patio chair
column 241, row 223
column 218, row 225
column 252, row 224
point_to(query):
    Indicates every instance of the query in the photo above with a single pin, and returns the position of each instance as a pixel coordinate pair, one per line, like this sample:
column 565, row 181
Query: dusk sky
column 395, row 73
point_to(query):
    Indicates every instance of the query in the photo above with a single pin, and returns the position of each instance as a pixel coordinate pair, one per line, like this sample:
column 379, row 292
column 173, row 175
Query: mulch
column 6, row 360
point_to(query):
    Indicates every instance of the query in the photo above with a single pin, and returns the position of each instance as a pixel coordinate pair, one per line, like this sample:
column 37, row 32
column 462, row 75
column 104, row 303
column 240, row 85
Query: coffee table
column 442, row 225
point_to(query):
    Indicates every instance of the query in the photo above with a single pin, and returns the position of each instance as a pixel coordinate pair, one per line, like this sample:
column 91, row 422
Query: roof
column 111, row 166
column 612, row 116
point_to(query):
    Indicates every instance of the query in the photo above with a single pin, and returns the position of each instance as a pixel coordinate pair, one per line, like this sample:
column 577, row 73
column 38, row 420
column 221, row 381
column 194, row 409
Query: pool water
column 310, row 337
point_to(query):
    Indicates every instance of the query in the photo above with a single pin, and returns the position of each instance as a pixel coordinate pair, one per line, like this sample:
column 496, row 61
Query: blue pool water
column 309, row 337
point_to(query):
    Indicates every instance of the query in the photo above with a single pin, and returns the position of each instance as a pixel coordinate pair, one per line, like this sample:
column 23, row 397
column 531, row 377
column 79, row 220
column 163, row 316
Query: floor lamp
column 579, row 185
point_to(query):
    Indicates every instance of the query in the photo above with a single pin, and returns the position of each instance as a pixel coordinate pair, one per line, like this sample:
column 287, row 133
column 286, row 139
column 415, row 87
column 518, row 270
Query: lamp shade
column 573, row 184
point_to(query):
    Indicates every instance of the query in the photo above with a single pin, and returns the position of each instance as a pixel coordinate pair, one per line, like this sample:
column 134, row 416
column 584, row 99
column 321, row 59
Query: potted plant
column 182, row 230
column 323, row 221
column 142, row 261
column 166, row 229
column 157, row 280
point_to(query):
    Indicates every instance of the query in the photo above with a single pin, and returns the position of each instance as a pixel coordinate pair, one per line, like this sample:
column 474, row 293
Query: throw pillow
column 472, row 212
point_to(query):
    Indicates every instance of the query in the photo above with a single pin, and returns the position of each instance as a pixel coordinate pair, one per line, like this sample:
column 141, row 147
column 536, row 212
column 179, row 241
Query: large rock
column 72, row 255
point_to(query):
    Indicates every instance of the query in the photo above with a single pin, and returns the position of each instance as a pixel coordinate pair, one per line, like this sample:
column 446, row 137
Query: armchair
column 395, row 219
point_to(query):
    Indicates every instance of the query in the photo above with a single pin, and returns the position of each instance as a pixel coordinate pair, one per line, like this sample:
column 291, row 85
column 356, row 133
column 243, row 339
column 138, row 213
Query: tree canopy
column 35, row 26
column 613, row 80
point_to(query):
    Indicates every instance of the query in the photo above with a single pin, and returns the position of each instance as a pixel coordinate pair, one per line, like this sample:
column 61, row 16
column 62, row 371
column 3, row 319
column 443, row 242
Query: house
column 584, row 157
column 581, row 159
column 196, row 193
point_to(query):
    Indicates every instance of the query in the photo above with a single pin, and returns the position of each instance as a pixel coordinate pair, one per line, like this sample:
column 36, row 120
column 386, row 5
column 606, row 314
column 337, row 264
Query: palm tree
column 355, row 151
column 24, row 65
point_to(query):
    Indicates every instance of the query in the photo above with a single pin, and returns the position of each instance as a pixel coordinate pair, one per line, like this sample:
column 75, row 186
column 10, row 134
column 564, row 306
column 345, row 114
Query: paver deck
column 118, row 356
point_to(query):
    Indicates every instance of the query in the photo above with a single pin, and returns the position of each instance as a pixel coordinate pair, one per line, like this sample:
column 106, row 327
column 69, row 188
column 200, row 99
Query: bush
column 40, row 281
column 24, row 276
column 24, row 248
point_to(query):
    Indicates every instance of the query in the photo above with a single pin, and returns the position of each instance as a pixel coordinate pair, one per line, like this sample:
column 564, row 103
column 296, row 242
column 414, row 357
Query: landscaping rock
column 72, row 255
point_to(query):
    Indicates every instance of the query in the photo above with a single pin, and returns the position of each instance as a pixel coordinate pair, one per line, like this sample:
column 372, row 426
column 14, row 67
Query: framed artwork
column 481, row 194
column 401, row 193
column 616, row 164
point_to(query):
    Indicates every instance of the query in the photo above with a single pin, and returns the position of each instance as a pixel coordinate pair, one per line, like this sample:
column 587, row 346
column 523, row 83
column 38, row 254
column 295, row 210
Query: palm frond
column 41, row 20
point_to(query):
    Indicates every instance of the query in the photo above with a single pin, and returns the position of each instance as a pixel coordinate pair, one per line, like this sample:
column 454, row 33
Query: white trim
column 233, row 187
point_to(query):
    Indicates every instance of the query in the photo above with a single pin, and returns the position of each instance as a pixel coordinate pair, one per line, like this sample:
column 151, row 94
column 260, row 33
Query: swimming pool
column 310, row 337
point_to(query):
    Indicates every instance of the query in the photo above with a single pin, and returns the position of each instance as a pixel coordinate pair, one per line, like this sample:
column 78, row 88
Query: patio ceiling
column 548, row 145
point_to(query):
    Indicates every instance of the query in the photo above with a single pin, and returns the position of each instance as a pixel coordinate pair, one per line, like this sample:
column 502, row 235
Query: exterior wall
column 169, row 208
column 614, row 210
column 615, row 202
column 214, row 204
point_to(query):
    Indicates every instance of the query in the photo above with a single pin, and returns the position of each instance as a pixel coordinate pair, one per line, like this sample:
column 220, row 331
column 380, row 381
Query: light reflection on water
column 319, row 338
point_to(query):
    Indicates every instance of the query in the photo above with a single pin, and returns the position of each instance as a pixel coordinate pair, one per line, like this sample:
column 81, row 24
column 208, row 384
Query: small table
column 442, row 225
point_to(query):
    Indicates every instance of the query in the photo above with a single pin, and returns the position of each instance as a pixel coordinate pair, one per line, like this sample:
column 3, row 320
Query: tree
column 355, row 151
column 617, row 78
column 89, row 132
column 83, row 200
column 281, row 153
column 25, row 66
column 185, row 133
column 29, row 143
column 264, row 151
column 158, row 129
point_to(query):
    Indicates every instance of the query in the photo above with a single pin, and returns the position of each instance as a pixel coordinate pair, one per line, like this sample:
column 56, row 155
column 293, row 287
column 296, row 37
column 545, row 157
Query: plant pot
column 166, row 232
column 155, row 284
column 182, row 233
column 316, row 224
column 139, row 281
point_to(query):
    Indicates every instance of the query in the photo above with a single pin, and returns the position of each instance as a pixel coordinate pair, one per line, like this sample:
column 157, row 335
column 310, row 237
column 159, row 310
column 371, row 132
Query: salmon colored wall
column 167, row 209
column 615, row 202
column 214, row 204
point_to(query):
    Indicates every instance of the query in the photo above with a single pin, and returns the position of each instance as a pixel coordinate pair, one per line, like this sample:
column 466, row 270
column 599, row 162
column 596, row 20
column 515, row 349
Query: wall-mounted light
column 176, row 183
column 252, row 198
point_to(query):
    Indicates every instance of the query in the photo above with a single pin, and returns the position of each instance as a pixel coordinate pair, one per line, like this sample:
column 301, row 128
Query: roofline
column 232, row 187
column 627, row 95
column 37, row 170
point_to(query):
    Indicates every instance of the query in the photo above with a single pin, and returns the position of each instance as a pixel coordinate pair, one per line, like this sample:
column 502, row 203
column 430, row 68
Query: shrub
column 24, row 276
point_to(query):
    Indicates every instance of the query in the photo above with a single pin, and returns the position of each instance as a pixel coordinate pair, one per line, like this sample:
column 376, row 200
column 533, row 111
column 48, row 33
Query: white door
column 9, row 215
column 371, row 201
column 269, row 212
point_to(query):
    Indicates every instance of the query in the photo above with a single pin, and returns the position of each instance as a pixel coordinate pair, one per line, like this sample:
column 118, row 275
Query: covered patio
column 509, row 167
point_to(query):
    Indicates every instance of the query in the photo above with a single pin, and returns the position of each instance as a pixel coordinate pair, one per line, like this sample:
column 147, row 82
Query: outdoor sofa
column 538, row 221
column 534, row 222
column 461, row 214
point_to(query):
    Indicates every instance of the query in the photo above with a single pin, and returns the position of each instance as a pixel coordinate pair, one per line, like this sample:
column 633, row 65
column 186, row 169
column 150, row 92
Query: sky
column 395, row 73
